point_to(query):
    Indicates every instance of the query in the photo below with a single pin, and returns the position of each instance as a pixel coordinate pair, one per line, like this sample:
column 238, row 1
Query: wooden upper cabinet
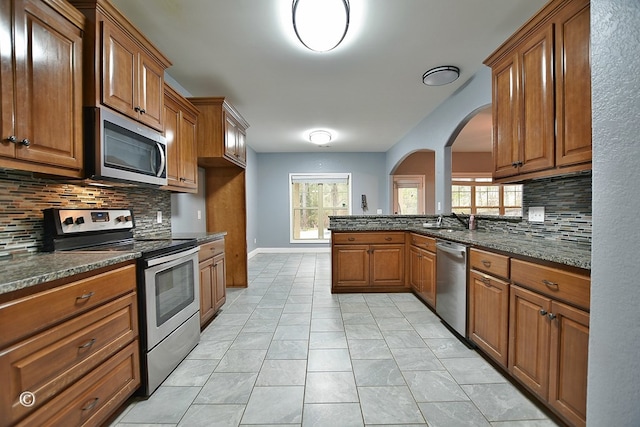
column 221, row 133
column 180, row 132
column 41, row 106
column 573, row 85
column 541, row 81
column 126, row 72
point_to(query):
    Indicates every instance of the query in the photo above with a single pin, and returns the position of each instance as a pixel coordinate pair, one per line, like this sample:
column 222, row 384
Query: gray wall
column 614, row 346
column 185, row 208
column 439, row 128
column 368, row 176
column 251, row 179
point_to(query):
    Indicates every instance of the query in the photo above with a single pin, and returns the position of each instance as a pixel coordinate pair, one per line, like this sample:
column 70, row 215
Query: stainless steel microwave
column 120, row 149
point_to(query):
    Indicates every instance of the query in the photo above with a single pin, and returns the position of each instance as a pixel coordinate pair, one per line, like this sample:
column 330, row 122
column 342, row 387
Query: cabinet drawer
column 47, row 363
column 562, row 285
column 424, row 242
column 92, row 399
column 488, row 262
column 367, row 238
column 36, row 312
column 211, row 249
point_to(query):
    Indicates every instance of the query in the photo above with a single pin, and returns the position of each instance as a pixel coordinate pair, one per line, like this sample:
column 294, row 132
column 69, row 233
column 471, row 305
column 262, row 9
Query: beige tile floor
column 286, row 352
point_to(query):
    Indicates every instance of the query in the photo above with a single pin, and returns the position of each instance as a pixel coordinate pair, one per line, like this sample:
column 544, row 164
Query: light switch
column 159, row 217
column 536, row 214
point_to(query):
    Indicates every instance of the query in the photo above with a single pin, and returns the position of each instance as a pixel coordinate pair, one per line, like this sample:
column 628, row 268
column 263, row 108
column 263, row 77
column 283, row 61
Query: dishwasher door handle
column 456, row 251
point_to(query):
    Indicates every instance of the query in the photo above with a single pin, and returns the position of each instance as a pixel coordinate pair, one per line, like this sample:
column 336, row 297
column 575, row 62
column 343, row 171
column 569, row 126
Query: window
column 477, row 196
column 408, row 194
column 313, row 198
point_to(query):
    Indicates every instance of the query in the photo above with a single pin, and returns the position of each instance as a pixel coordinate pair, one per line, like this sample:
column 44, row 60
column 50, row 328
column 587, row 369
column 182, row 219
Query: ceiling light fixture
column 320, row 24
column 320, row 137
column 439, row 76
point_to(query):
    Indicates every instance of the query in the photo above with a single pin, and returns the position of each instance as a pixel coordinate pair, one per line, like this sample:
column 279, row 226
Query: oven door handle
column 168, row 258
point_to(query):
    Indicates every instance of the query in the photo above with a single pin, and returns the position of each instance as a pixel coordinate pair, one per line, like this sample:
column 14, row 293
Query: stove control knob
column 121, row 218
column 129, row 218
column 68, row 221
column 80, row 220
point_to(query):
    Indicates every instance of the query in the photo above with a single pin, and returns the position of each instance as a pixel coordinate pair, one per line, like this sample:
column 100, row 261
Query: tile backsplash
column 24, row 196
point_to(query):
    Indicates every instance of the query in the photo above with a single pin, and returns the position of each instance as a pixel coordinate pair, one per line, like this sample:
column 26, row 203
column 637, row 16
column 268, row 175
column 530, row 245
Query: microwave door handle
column 163, row 160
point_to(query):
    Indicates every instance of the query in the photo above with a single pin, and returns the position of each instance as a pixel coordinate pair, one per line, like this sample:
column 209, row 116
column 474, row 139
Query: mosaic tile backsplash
column 567, row 203
column 23, row 197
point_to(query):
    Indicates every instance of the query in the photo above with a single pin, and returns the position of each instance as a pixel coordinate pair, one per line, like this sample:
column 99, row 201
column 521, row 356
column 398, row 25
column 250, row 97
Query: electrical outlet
column 255, row 241
column 536, row 214
column 159, row 217
column 199, row 214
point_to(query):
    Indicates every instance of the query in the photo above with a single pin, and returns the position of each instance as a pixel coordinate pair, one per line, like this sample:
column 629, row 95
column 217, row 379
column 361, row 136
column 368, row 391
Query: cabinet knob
column 25, row 142
column 514, row 164
column 551, row 316
column 137, row 109
column 543, row 312
column 143, row 111
column 12, row 138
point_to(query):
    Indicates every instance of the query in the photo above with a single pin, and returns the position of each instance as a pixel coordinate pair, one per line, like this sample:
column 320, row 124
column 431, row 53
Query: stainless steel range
column 167, row 281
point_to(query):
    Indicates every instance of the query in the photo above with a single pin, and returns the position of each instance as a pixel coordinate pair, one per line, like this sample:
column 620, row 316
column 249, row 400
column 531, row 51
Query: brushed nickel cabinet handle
column 92, row 404
column 388, row 239
column 486, row 263
column 88, row 344
column 86, row 296
column 351, row 239
column 549, row 283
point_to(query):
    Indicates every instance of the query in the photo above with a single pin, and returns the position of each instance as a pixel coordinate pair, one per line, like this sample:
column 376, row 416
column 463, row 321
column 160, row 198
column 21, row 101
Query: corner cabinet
column 124, row 70
column 541, row 80
column 41, row 107
column 212, row 279
column 180, row 119
column 74, row 347
column 368, row 262
column 221, row 133
column 549, row 336
column 421, row 269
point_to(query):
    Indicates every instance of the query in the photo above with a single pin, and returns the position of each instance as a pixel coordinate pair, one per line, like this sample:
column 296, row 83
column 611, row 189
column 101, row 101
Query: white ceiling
column 368, row 91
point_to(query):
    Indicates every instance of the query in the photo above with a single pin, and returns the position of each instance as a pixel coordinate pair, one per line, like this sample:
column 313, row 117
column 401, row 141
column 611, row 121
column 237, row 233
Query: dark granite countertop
column 553, row 250
column 200, row 237
column 22, row 271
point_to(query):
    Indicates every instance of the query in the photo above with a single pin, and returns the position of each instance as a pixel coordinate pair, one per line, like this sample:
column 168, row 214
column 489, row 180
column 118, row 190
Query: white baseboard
column 286, row 251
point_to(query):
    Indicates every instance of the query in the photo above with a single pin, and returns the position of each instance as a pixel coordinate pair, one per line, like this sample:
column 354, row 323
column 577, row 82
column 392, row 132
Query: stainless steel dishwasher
column 451, row 285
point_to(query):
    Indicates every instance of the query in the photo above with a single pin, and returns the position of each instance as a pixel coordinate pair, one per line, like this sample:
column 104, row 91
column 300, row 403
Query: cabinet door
column 48, row 96
column 241, row 146
column 119, row 70
column 220, row 289
column 150, row 91
column 415, row 269
column 172, row 134
column 7, row 149
column 568, row 364
column 230, row 135
column 536, row 102
column 350, row 265
column 504, row 110
column 529, row 339
column 188, row 151
column 387, row 265
column 206, row 291
column 489, row 315
column 429, row 277
column 573, row 84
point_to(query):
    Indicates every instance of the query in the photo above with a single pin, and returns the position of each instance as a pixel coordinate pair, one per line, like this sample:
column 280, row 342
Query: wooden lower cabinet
column 79, row 353
column 422, row 268
column 548, row 352
column 489, row 315
column 212, row 279
column 368, row 262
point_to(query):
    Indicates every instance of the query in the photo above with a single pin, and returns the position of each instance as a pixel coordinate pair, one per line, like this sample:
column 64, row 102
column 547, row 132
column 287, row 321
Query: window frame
column 318, row 177
column 474, row 181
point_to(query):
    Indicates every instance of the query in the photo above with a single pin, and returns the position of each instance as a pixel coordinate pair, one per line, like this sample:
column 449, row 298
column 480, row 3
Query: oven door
column 172, row 286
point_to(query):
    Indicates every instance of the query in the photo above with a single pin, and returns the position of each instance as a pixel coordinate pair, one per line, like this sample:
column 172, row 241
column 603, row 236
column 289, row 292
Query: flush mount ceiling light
column 439, row 76
column 320, row 137
column 320, row 24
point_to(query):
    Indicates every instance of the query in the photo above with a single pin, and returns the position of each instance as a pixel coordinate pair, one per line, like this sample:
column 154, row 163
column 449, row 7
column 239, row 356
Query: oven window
column 175, row 289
